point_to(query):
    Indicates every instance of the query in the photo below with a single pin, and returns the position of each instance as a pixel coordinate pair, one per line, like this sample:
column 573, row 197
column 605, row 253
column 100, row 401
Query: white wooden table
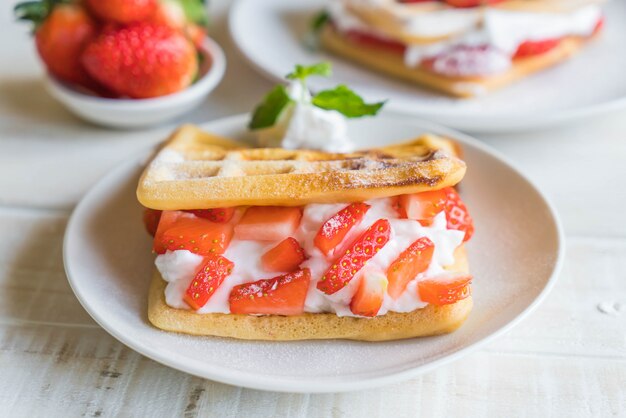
column 567, row 359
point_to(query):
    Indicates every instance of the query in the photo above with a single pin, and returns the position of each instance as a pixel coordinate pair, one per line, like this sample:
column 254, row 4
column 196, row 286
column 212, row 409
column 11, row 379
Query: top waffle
column 198, row 170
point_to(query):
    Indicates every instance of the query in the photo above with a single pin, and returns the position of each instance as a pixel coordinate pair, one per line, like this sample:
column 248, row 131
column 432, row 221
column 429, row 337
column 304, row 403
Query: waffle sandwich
column 274, row 244
column 464, row 48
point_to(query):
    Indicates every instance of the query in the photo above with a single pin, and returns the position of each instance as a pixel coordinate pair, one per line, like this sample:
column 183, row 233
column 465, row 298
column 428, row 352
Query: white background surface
column 567, row 359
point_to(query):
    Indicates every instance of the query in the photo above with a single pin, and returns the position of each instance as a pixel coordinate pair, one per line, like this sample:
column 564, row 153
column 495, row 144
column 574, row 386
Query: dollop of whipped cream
column 178, row 267
column 301, row 125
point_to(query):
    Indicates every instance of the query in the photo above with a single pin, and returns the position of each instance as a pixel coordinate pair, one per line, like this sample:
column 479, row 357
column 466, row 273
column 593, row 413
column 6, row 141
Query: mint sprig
column 266, row 114
column 302, row 72
column 341, row 99
column 345, row 101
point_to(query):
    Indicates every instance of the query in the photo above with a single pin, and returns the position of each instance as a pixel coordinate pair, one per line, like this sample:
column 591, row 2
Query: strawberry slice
column 361, row 250
column 367, row 39
column 457, row 214
column 337, row 227
column 370, row 295
column 530, row 48
column 268, row 223
column 411, row 262
column 151, row 219
column 219, row 215
column 445, row 289
column 424, row 206
column 281, row 295
column 470, row 3
column 210, row 275
column 166, row 221
column 286, row 256
column 196, row 235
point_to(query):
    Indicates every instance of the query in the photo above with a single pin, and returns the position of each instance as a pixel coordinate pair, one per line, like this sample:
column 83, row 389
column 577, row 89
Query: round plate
column 591, row 82
column 514, row 256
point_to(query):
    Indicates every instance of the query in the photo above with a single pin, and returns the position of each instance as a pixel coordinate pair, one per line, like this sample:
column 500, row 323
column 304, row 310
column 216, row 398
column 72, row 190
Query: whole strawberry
column 62, row 31
column 123, row 11
column 142, row 60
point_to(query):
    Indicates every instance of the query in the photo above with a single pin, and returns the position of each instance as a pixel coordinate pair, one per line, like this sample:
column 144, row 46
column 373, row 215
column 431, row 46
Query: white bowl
column 135, row 113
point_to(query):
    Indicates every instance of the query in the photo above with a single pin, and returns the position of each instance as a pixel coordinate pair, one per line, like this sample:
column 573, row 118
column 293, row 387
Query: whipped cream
column 486, row 41
column 178, row 267
column 301, row 125
column 440, row 21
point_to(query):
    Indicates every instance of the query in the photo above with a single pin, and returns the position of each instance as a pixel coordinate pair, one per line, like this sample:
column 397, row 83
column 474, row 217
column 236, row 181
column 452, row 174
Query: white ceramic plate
column 269, row 34
column 515, row 256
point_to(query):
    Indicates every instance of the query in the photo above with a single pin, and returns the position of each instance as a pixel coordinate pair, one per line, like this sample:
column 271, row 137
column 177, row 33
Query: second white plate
column 270, row 35
column 515, row 255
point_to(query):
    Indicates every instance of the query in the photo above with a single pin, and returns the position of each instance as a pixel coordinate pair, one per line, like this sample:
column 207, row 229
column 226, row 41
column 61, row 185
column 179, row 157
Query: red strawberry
column 286, row 256
column 424, row 206
column 268, row 223
column 337, row 227
column 151, row 219
column 167, row 219
column 361, row 250
column 219, row 215
column 445, row 289
column 62, row 33
column 194, row 234
column 142, row 60
column 411, row 262
column 470, row 3
column 530, row 48
column 369, row 296
column 123, row 11
column 188, row 17
column 282, row 295
column 370, row 40
column 210, row 275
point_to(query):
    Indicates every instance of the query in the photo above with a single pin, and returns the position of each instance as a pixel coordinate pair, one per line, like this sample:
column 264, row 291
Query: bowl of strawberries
column 125, row 63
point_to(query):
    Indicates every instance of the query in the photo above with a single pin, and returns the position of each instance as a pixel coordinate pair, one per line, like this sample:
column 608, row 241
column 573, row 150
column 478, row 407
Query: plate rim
column 516, row 122
column 286, row 384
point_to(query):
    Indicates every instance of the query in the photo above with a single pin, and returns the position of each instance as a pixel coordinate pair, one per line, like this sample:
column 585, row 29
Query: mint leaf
column 266, row 113
column 319, row 21
column 346, row 102
column 195, row 11
column 302, row 72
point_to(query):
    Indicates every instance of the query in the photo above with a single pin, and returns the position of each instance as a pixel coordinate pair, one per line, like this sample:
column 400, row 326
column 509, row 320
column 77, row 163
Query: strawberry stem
column 35, row 11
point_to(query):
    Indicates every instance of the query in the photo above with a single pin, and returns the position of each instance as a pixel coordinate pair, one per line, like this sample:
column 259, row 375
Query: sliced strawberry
column 337, row 227
column 374, row 41
column 370, row 295
column 470, row 3
column 196, row 235
column 166, row 221
column 424, row 206
column 210, row 275
column 281, row 295
column 219, row 215
column 411, row 262
column 361, row 250
column 268, row 223
column 530, row 48
column 457, row 214
column 151, row 219
column 445, row 289
column 286, row 256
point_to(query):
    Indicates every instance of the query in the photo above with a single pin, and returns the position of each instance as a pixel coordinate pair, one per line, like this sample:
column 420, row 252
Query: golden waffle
column 197, row 170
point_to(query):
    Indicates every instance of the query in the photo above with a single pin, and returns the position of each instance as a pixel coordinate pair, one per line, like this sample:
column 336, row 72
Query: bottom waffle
column 431, row 320
column 393, row 64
